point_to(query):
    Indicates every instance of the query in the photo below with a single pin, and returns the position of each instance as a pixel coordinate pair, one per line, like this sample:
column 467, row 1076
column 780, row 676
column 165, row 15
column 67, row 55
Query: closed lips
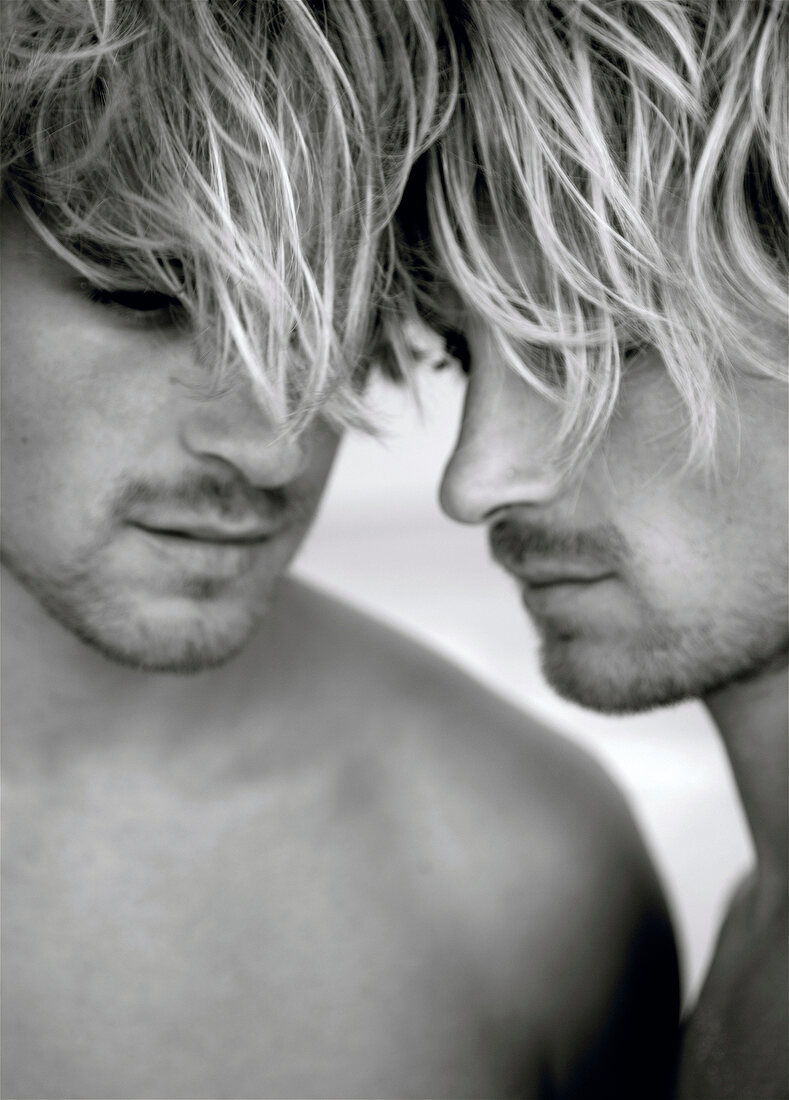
column 542, row 576
column 205, row 533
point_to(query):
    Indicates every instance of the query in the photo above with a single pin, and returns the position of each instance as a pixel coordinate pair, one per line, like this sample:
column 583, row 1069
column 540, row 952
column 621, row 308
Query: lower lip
column 560, row 593
column 203, row 557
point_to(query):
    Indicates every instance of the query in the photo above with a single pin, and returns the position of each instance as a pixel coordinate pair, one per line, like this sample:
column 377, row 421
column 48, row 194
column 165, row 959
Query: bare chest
column 248, row 946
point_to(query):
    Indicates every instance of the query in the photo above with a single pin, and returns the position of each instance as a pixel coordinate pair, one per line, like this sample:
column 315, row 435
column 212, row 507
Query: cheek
column 323, row 444
column 39, row 431
column 716, row 540
column 676, row 553
column 47, row 416
column 67, row 434
column 74, row 385
column 52, row 484
column 701, row 553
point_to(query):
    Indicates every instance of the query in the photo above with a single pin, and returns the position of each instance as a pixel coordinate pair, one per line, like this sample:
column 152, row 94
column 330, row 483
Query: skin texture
column 734, row 1044
column 649, row 583
column 331, row 867
column 688, row 572
column 109, row 441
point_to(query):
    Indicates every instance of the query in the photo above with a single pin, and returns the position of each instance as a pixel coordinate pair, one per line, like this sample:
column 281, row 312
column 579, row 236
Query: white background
column 381, row 542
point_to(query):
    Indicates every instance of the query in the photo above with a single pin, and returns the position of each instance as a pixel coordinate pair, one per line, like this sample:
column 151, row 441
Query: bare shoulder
column 520, row 837
column 493, row 769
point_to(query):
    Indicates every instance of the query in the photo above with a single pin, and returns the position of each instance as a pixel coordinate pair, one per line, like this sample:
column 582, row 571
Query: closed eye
column 141, row 306
column 629, row 352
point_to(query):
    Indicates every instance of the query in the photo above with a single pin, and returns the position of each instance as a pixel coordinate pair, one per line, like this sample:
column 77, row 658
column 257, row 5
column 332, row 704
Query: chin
column 204, row 625
column 602, row 669
column 623, row 675
column 600, row 692
column 179, row 656
column 630, row 676
column 178, row 637
column 183, row 634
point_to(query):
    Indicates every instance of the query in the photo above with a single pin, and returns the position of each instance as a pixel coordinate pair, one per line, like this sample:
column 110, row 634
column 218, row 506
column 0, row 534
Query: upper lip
column 209, row 531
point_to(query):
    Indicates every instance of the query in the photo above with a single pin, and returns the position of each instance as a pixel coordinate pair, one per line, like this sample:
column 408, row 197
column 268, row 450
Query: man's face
column 147, row 518
column 647, row 584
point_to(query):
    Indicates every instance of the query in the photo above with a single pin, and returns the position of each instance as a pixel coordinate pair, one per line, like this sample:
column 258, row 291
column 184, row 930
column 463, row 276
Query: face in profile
column 150, row 519
column 648, row 583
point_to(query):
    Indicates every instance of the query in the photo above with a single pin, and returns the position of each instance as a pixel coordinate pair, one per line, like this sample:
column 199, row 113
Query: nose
column 502, row 457
column 232, row 428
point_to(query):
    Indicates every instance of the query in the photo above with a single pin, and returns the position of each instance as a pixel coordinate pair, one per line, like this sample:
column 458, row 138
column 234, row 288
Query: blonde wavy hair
column 615, row 175
column 245, row 158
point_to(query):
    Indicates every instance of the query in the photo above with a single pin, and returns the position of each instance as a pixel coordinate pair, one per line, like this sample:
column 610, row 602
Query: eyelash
column 456, row 351
column 143, row 307
column 628, row 352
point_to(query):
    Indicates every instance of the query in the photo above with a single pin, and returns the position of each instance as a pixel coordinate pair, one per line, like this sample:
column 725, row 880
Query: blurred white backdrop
column 381, row 543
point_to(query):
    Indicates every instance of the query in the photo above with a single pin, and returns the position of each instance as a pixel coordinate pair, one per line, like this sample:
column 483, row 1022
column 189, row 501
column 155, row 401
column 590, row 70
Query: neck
column 752, row 717
column 63, row 701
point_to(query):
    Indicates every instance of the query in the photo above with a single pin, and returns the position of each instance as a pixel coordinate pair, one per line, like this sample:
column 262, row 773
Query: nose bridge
column 232, row 426
column 503, row 455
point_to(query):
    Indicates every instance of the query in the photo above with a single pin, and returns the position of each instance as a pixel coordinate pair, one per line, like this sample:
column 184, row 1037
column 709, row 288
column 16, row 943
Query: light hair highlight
column 615, row 174
column 246, row 158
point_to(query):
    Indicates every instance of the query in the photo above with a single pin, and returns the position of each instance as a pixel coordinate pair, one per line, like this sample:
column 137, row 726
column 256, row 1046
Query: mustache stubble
column 228, row 498
column 513, row 540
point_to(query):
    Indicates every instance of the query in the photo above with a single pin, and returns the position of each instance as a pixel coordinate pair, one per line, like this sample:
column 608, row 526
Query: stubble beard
column 663, row 665
column 194, row 640
column 188, row 623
